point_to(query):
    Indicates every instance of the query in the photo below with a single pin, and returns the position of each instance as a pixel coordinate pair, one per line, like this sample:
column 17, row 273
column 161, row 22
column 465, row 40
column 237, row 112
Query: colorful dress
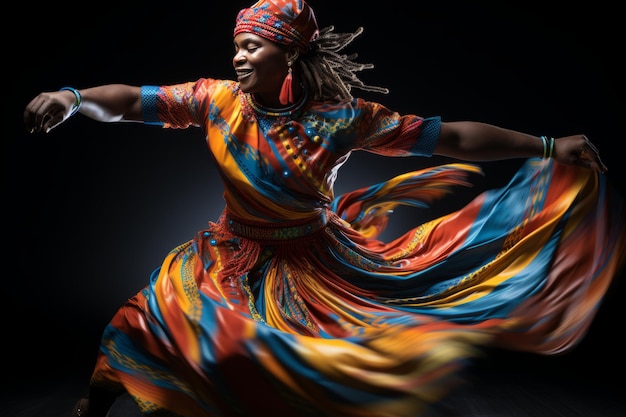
column 290, row 304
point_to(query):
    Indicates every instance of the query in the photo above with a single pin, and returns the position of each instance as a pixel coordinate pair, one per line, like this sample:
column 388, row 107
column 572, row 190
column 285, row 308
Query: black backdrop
column 91, row 209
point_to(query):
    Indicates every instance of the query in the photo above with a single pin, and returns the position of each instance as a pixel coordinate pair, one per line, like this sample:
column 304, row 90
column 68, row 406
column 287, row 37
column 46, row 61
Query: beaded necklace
column 266, row 116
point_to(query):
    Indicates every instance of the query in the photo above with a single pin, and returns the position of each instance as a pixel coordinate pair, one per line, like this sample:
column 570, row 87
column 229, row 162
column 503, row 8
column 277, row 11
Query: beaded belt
column 277, row 231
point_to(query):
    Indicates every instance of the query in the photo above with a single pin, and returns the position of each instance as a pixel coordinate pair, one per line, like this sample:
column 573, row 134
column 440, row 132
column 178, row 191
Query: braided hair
column 329, row 75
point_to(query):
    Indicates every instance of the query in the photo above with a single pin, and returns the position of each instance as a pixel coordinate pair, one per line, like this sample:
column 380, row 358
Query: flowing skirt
column 335, row 322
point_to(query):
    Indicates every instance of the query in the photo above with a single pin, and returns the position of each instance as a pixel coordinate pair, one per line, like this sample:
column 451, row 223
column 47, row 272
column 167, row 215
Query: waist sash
column 280, row 231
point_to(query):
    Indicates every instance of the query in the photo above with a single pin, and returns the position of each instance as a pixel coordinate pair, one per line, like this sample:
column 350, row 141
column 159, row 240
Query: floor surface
column 504, row 385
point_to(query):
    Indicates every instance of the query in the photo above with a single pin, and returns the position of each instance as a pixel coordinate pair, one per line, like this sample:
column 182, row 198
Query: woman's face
column 261, row 65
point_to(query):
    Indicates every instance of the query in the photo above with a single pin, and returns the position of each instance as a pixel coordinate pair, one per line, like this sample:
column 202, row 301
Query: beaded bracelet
column 547, row 149
column 79, row 98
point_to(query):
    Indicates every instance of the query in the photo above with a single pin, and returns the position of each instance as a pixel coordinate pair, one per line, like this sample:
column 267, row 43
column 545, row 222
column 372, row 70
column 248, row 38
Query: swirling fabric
column 289, row 304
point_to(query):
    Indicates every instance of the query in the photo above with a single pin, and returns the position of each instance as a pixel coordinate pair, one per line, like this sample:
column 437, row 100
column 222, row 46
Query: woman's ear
column 292, row 54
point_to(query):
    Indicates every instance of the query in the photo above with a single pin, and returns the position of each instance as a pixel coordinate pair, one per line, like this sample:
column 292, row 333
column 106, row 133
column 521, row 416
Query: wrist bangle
column 77, row 102
column 551, row 148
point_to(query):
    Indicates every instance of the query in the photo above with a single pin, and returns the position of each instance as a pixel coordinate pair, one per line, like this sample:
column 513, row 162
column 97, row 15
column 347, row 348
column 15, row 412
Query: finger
column 593, row 154
column 30, row 113
column 40, row 119
column 40, row 113
column 590, row 144
column 591, row 159
column 603, row 168
column 48, row 116
column 52, row 121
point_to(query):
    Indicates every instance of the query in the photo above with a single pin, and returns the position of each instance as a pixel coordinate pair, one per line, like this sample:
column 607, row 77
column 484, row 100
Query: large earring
column 286, row 91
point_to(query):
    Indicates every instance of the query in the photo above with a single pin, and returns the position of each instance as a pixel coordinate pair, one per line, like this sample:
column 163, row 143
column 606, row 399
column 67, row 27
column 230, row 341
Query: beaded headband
column 286, row 22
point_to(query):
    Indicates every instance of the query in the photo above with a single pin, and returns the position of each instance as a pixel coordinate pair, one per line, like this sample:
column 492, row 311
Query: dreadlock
column 329, row 75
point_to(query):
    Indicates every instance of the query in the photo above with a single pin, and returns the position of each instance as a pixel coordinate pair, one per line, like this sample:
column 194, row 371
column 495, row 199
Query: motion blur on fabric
column 289, row 303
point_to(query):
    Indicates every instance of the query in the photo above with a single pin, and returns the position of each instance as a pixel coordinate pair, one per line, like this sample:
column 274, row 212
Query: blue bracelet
column 77, row 102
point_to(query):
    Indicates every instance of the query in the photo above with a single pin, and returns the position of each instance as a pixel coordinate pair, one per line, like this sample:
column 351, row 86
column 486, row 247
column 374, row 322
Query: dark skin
column 261, row 66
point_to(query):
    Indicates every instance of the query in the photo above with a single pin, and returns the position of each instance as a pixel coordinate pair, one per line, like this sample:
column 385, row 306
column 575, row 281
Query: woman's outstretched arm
column 106, row 103
column 475, row 141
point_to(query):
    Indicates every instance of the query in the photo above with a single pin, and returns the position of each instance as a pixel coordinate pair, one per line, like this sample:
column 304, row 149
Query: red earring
column 286, row 91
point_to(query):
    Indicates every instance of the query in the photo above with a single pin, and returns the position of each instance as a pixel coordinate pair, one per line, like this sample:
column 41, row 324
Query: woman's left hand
column 578, row 150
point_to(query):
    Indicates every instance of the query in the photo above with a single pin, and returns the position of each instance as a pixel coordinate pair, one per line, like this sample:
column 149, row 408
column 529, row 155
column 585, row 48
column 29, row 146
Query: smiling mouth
column 241, row 74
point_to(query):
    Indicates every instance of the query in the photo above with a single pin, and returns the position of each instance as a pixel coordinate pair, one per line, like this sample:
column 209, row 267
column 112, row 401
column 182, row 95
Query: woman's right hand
column 48, row 110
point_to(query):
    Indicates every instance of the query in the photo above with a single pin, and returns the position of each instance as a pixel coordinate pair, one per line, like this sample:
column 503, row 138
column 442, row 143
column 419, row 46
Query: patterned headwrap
column 286, row 22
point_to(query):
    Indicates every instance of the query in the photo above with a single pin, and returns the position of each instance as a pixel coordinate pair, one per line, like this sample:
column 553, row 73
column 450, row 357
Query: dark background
column 91, row 208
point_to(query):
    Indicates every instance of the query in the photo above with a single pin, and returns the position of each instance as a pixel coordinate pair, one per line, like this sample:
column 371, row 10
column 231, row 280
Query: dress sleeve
column 176, row 106
column 388, row 133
